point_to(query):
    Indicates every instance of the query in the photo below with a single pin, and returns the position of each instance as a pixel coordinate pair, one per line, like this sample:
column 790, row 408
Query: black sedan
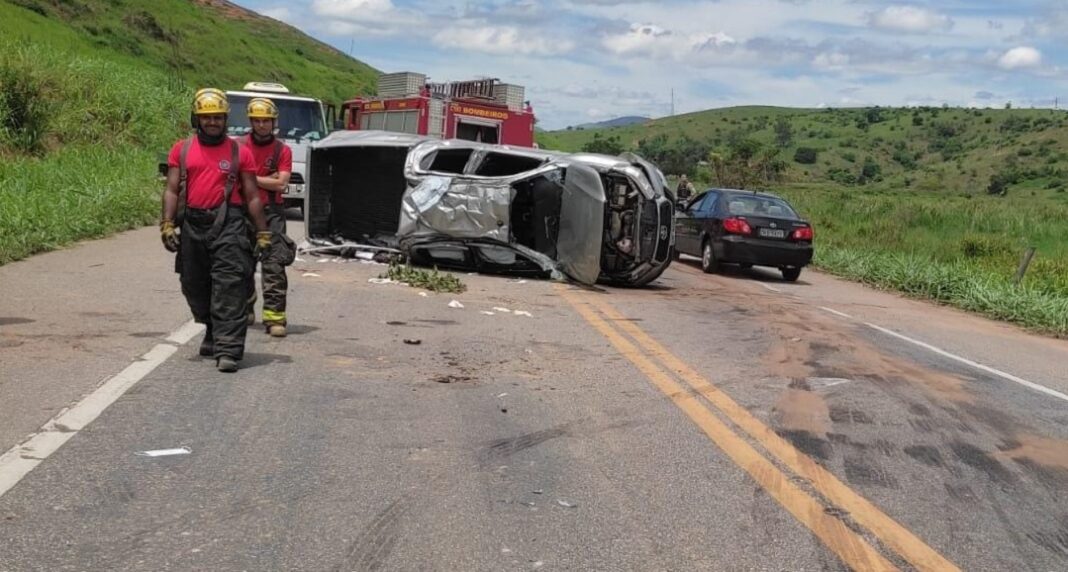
column 745, row 228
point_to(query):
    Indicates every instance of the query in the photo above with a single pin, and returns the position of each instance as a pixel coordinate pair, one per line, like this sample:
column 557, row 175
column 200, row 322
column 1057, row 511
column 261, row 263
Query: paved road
column 725, row 422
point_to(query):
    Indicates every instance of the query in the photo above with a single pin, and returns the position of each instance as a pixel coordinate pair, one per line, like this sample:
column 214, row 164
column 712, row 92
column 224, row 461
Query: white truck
column 301, row 121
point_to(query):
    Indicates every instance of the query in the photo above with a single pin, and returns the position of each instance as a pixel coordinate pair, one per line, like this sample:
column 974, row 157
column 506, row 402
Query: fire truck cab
column 483, row 110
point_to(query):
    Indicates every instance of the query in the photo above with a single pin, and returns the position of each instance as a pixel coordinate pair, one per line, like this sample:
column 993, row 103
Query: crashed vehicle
column 492, row 208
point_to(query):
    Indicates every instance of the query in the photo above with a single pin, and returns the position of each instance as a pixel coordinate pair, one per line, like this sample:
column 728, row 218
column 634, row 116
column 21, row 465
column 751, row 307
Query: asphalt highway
column 727, row 422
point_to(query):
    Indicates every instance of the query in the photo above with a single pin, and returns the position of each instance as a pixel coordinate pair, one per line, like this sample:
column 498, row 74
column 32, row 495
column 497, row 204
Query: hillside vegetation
column 92, row 91
column 935, row 202
column 194, row 42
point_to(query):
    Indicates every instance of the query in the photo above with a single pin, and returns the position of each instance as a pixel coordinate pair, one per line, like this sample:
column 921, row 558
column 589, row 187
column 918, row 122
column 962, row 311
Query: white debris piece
column 165, row 452
column 298, row 259
column 323, row 260
column 524, row 313
column 310, row 275
column 455, row 304
column 424, row 294
column 487, row 313
column 566, row 504
column 502, row 310
column 382, row 281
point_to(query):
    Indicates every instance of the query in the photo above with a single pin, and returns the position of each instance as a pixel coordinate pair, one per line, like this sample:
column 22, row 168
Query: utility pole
column 672, row 102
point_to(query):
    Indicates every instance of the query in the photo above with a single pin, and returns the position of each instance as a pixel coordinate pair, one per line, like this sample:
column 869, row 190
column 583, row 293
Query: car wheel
column 675, row 255
column 790, row 274
column 708, row 258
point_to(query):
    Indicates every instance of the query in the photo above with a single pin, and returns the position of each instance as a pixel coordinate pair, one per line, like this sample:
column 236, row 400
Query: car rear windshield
column 753, row 205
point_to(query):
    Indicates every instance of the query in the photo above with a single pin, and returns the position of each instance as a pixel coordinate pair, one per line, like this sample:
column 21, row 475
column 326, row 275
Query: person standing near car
column 274, row 164
column 684, row 191
column 209, row 233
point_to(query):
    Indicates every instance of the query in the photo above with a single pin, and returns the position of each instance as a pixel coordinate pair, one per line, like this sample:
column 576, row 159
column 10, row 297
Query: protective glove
column 263, row 245
column 169, row 235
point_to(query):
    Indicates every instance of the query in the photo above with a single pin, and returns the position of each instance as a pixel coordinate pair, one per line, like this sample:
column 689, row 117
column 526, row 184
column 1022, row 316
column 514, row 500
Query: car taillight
column 802, row 233
column 735, row 225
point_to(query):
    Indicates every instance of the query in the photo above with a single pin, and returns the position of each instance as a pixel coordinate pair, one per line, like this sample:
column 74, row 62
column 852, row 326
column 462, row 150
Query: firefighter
column 210, row 234
column 274, row 163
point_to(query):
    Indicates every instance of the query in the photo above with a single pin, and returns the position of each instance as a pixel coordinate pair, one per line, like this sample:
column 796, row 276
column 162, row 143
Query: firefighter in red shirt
column 274, row 164
column 209, row 231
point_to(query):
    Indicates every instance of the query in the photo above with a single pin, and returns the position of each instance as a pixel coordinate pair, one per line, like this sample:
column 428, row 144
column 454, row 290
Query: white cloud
column 500, row 40
column 1020, row 57
column 364, row 17
column 909, row 19
column 280, row 13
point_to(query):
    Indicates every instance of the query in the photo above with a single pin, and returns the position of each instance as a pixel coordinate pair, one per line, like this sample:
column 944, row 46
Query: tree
column 806, row 155
column 606, row 145
column 784, row 132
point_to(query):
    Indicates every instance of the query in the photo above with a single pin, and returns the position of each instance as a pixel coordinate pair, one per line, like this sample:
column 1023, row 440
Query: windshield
column 297, row 119
column 742, row 205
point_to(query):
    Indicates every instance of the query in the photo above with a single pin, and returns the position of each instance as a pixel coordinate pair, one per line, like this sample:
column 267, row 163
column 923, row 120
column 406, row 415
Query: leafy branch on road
column 427, row 279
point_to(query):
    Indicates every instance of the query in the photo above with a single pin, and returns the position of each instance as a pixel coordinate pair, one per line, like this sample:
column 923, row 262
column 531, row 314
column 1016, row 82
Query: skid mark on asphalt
column 369, row 551
column 842, row 498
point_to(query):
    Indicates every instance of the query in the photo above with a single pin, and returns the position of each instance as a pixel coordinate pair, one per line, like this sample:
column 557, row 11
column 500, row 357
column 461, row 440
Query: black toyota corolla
column 745, row 228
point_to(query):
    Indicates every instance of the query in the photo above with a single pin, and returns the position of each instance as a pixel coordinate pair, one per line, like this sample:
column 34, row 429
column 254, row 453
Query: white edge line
column 988, row 369
column 836, row 312
column 186, row 332
column 19, row 460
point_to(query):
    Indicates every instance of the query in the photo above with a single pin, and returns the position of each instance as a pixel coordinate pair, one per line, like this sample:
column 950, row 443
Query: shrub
column 806, row 155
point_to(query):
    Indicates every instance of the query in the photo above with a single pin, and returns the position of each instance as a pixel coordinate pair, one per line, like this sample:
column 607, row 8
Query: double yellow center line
column 663, row 369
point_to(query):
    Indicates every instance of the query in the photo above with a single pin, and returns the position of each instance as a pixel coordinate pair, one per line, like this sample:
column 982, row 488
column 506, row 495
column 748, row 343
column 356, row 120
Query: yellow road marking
column 843, row 542
column 896, row 536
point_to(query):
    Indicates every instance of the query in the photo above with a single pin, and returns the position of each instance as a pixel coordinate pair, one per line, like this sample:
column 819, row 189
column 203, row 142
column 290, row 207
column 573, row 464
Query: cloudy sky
column 590, row 60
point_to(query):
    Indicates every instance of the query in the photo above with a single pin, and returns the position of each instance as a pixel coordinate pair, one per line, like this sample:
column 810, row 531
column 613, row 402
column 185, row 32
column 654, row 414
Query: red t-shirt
column 206, row 170
column 263, row 155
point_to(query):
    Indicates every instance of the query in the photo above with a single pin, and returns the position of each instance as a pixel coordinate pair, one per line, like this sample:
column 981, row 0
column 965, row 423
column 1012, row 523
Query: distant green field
column 935, row 202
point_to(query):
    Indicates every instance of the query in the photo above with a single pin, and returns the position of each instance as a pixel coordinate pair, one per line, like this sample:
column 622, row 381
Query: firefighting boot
column 226, row 364
column 277, row 330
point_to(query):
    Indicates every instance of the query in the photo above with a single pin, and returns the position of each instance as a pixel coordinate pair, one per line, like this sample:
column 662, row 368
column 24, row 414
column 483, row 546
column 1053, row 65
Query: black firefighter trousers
column 215, row 276
column 272, row 271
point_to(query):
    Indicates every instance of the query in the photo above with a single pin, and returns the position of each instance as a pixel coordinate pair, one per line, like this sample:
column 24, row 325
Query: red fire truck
column 483, row 110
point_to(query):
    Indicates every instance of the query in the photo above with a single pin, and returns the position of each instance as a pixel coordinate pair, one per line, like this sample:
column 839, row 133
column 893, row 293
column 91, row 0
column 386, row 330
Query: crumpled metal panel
column 441, row 205
column 578, row 245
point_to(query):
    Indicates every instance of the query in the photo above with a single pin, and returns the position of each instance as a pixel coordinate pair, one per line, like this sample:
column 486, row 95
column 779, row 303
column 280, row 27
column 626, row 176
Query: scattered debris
column 504, row 410
column 165, row 452
column 383, row 281
column 524, row 313
column 501, row 395
column 321, row 260
column 412, row 341
column 506, row 550
column 452, row 378
column 566, row 504
column 396, row 323
column 502, row 310
column 424, row 294
column 795, row 340
column 529, row 503
column 299, row 259
column 519, row 281
column 455, row 304
column 429, row 279
column 487, row 313
column 826, row 381
column 538, row 492
column 310, row 275
column 538, row 564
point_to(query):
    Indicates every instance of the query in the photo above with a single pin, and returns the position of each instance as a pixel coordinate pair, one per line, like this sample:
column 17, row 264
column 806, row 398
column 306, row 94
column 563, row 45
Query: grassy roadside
column 78, row 143
column 957, row 251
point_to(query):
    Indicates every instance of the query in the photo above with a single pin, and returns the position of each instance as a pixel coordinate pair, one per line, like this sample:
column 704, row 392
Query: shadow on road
column 757, row 273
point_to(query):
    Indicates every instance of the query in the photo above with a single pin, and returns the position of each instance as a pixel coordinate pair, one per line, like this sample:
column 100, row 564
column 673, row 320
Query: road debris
column 502, row 310
column 524, row 313
column 165, row 452
column 566, row 504
column 487, row 313
column 424, row 294
column 826, row 381
column 310, row 275
column 538, row 492
column 455, row 304
column 502, row 395
column 412, row 341
column 452, row 378
column 396, row 323
column 428, row 279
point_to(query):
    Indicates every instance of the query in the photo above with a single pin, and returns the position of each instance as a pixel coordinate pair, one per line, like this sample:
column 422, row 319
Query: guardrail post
column 1025, row 261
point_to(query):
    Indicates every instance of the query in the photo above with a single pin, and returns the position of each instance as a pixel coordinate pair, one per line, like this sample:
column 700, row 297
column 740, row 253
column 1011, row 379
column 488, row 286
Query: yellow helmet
column 262, row 108
column 209, row 101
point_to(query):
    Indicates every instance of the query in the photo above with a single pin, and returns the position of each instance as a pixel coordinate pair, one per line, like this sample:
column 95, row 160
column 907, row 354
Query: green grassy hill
column 935, row 202
column 195, row 43
column 91, row 91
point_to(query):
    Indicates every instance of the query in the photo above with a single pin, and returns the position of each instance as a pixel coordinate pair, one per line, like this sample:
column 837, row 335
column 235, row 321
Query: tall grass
column 962, row 252
column 78, row 144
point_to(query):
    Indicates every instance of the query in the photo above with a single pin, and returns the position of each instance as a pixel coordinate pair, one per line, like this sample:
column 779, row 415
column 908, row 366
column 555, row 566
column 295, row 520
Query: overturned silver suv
column 491, row 208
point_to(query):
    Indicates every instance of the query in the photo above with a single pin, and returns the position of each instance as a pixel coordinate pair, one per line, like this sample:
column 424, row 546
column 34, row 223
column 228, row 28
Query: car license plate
column 771, row 232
